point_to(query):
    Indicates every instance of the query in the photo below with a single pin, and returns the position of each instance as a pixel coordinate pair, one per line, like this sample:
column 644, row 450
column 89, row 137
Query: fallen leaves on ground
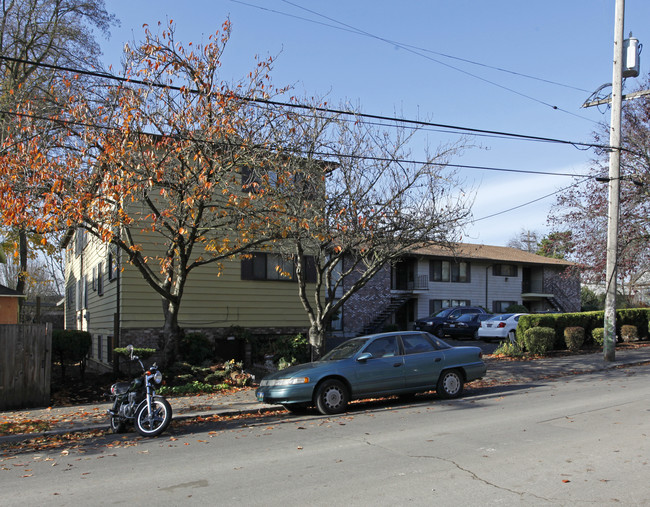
column 25, row 426
column 23, row 422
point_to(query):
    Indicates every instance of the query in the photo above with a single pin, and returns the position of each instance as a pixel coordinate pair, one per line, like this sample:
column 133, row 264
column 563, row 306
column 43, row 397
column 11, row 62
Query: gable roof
column 489, row 253
column 7, row 292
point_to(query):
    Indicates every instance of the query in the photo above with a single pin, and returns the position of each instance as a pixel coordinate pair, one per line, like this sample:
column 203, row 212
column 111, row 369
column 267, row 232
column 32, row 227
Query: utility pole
column 609, row 344
column 531, row 239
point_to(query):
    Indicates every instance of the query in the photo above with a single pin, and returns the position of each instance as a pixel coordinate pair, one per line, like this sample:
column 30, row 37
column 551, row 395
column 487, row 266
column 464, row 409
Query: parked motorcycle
column 136, row 403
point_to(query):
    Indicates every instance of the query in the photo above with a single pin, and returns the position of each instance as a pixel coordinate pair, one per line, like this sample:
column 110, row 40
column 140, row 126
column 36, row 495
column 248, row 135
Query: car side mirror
column 364, row 357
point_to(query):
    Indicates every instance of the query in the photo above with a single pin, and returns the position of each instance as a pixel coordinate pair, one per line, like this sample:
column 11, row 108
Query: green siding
column 210, row 300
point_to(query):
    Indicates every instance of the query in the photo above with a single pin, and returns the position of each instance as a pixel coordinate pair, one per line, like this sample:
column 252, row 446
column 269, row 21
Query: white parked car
column 500, row 327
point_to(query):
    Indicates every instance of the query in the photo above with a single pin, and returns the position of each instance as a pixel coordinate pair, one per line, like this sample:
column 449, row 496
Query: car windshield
column 443, row 313
column 346, row 350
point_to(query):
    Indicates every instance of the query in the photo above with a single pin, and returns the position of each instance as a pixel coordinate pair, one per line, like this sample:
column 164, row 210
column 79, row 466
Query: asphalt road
column 581, row 440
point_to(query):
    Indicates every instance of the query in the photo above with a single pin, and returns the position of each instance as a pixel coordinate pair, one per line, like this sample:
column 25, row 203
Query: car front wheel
column 450, row 384
column 331, row 397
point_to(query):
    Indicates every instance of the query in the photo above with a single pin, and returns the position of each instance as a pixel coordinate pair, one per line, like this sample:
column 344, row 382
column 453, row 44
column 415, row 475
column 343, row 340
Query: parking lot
column 487, row 347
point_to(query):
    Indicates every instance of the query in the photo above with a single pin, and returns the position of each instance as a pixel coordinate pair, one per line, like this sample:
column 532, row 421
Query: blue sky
column 320, row 52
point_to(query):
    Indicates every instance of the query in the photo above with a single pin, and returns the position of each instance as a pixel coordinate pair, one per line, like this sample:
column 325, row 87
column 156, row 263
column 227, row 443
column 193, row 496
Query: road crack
column 473, row 475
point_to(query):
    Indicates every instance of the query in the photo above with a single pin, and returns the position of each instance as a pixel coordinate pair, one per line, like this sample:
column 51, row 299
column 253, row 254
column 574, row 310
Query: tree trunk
column 172, row 333
column 22, row 270
column 316, row 341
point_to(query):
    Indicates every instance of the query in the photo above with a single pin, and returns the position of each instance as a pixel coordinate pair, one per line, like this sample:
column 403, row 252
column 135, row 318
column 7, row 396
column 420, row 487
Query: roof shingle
column 490, row 253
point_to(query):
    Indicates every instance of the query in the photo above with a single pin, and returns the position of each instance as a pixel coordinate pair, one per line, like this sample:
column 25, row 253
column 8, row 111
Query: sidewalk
column 499, row 371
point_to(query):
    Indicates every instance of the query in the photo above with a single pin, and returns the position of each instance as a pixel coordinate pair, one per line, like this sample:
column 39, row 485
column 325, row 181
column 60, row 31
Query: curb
column 21, row 437
column 550, row 375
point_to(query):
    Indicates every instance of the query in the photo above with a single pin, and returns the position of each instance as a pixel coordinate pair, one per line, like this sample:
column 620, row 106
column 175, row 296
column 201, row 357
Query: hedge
column 589, row 321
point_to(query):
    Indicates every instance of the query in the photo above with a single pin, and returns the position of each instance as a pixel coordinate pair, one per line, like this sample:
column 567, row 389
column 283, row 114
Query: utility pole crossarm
column 629, row 96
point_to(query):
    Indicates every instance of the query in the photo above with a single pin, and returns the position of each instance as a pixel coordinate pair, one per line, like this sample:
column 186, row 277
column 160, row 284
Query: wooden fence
column 25, row 365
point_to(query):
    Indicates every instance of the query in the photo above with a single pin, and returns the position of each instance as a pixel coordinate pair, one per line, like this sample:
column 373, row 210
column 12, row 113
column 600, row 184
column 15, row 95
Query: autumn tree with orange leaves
column 160, row 155
column 212, row 171
column 36, row 37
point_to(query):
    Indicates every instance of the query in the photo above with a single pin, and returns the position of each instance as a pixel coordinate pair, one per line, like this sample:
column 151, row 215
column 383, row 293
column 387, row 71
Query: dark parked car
column 375, row 365
column 465, row 326
column 434, row 323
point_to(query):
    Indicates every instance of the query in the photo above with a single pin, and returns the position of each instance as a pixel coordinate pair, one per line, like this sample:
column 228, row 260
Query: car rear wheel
column 450, row 384
column 331, row 397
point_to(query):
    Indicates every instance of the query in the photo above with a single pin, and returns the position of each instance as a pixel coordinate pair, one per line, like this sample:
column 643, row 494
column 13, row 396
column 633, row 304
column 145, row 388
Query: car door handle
column 397, row 364
column 438, row 359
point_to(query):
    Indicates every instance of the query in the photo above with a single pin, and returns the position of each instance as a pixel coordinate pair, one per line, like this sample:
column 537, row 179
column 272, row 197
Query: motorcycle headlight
column 157, row 377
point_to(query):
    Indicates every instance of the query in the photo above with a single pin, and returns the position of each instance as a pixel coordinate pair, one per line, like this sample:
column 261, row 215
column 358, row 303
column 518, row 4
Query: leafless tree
column 351, row 198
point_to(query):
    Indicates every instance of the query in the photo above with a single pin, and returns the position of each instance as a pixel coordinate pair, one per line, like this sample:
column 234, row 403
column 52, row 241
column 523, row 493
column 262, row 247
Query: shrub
column 629, row 333
column 574, row 337
column 217, row 377
column 287, row 350
column 539, row 340
column 196, row 348
column 598, row 334
column 71, row 347
column 184, row 378
column 192, row 388
column 142, row 353
column 506, row 348
column 634, row 317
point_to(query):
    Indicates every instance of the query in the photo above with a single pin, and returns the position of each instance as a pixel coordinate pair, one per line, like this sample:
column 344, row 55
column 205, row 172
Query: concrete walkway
column 499, row 371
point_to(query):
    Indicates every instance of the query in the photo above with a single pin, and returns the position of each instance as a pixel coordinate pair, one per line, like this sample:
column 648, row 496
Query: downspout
column 486, row 286
column 117, row 322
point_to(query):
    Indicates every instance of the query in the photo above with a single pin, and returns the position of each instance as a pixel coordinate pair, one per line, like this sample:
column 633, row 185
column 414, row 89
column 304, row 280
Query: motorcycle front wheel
column 161, row 416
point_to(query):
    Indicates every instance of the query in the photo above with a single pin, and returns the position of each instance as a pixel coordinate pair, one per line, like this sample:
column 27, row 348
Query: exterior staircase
column 378, row 321
column 555, row 304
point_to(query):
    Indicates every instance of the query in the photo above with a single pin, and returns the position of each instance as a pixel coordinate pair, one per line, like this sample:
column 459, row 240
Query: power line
column 333, row 111
column 404, row 121
column 357, row 31
column 318, row 154
column 533, row 201
column 417, row 51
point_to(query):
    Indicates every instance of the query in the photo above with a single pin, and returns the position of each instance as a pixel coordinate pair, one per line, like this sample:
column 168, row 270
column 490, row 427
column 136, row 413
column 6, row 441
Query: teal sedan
column 383, row 364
